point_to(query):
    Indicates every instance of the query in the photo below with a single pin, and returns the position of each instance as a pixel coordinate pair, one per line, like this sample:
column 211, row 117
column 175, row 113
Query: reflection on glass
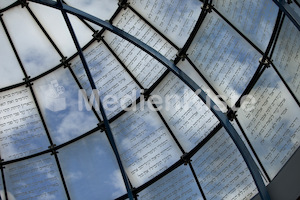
column 187, row 116
column 286, row 55
column 225, row 59
column 36, row 52
column 63, row 106
column 21, row 129
column 271, row 122
column 115, row 87
column 175, row 19
column 90, row 169
column 179, row 184
column 35, row 178
column 255, row 19
column 145, row 145
column 221, row 170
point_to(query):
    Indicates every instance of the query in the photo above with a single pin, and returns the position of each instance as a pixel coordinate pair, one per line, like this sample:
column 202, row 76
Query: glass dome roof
column 148, row 99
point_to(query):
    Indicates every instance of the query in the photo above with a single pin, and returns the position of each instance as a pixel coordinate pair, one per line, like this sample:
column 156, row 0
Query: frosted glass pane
column 21, row 129
column 175, row 19
column 35, row 178
column 103, row 9
column 56, row 27
column 225, row 59
column 145, row 145
column 286, row 55
column 221, row 170
column 10, row 71
column 91, row 170
column 115, row 87
column 271, row 122
column 179, row 184
column 34, row 49
column 255, row 19
column 187, row 116
column 63, row 106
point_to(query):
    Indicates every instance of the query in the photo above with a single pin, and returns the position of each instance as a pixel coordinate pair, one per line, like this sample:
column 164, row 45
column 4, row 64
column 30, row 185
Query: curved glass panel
column 21, row 129
column 229, row 70
column 272, row 122
column 255, row 19
column 221, row 170
column 286, row 56
column 35, row 178
column 34, row 49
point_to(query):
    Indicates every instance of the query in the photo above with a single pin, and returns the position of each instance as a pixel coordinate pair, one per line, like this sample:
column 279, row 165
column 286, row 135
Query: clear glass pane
column 187, row 116
column 10, row 71
column 175, row 19
column 225, row 59
column 56, row 27
column 35, row 51
column 115, row 87
column 102, row 9
column 286, row 55
column 145, row 144
column 270, row 118
column 91, row 170
column 178, row 184
column 221, row 170
column 21, row 130
column 255, row 19
column 34, row 178
column 63, row 106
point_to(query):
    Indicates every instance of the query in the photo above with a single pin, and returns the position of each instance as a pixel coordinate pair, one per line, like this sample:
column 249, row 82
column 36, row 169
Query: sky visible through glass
column 53, row 143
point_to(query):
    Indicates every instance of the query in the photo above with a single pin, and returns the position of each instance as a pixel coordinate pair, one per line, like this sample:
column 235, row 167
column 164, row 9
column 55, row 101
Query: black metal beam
column 290, row 13
column 92, row 83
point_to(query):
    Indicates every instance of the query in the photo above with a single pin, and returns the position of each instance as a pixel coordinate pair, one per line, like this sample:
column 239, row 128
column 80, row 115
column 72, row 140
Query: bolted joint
column 231, row 114
column 27, row 81
column 97, row 35
column 102, row 127
column 145, row 93
column 186, row 159
column 123, row 3
column 23, row 3
column 181, row 55
column 1, row 165
column 266, row 62
column 207, row 8
column 52, row 149
column 65, row 63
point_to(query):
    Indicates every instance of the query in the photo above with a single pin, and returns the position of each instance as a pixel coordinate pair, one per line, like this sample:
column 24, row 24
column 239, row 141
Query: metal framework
column 223, row 118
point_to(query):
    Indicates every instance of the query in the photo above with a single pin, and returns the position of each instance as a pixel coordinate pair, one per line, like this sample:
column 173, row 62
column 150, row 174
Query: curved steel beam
column 186, row 79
